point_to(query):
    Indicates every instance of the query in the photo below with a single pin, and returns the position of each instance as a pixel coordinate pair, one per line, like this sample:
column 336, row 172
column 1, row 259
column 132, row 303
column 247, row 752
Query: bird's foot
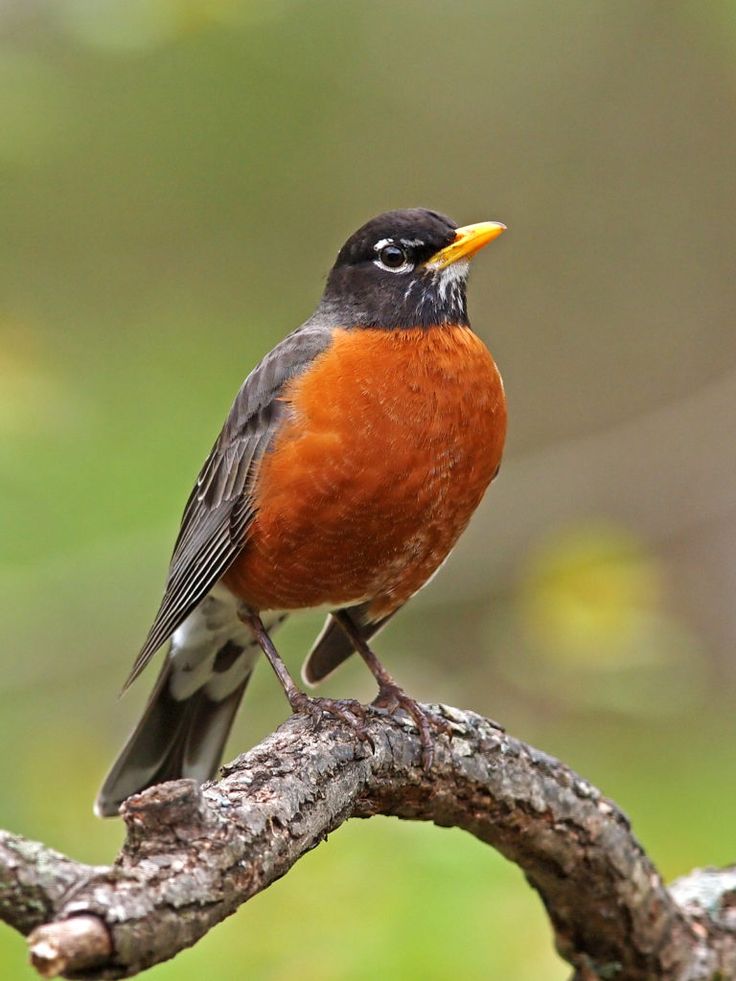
column 391, row 698
column 347, row 710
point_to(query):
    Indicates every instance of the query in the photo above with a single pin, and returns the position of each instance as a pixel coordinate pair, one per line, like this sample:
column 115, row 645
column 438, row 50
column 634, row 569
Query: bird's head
column 405, row 269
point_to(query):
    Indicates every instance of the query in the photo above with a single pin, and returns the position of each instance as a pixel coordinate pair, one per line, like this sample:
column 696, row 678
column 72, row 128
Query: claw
column 391, row 698
column 349, row 711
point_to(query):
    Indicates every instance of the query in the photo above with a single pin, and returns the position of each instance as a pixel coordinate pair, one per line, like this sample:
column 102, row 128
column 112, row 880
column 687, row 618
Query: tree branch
column 193, row 855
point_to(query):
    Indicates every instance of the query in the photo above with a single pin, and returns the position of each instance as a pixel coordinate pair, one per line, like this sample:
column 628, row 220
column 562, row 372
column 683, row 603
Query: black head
column 404, row 269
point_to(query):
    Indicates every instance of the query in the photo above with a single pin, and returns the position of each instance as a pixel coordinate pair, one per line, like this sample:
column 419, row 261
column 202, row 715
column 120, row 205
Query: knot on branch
column 167, row 813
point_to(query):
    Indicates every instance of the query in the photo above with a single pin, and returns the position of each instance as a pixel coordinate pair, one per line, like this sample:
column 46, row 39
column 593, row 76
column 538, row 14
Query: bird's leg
column 392, row 696
column 291, row 690
column 302, row 704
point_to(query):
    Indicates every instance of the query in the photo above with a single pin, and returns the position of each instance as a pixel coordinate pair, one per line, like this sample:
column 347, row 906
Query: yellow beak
column 468, row 240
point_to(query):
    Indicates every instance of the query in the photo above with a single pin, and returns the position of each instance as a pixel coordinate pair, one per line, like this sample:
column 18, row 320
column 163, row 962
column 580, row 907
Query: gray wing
column 214, row 527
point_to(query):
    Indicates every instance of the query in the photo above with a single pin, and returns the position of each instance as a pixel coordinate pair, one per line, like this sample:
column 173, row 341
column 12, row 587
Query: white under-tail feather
column 187, row 720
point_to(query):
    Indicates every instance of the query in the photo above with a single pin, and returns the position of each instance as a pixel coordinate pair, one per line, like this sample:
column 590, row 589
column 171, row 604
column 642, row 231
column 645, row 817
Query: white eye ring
column 386, row 243
column 404, row 268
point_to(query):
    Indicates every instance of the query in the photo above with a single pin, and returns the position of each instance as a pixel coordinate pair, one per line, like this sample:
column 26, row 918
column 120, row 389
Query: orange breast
column 393, row 439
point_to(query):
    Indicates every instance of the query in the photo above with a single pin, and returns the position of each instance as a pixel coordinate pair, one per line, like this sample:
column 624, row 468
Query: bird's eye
column 392, row 256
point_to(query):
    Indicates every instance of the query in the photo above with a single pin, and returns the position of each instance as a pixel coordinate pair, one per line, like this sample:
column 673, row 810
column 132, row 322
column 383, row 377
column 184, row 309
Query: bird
column 351, row 461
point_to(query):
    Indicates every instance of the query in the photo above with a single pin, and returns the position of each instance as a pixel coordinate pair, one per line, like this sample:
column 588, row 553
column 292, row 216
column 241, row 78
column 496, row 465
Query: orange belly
column 393, row 439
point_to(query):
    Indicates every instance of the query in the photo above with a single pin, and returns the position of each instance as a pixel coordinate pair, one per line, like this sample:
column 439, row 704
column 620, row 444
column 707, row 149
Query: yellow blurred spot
column 591, row 591
column 32, row 400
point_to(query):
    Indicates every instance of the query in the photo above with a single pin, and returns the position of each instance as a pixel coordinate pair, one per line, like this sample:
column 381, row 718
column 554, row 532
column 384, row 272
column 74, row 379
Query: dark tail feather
column 174, row 738
column 332, row 647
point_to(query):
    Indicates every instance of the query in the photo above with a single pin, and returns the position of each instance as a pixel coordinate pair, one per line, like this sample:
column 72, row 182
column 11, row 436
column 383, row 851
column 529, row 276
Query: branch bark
column 193, row 855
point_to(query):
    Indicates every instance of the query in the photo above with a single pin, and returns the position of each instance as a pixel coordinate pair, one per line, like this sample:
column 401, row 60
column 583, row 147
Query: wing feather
column 214, row 526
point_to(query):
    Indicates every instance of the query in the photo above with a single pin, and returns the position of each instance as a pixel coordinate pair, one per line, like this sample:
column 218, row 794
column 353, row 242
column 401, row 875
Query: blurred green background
column 175, row 179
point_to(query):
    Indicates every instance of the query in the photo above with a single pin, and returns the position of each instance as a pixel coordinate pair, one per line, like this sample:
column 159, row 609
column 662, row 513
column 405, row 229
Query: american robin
column 350, row 463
